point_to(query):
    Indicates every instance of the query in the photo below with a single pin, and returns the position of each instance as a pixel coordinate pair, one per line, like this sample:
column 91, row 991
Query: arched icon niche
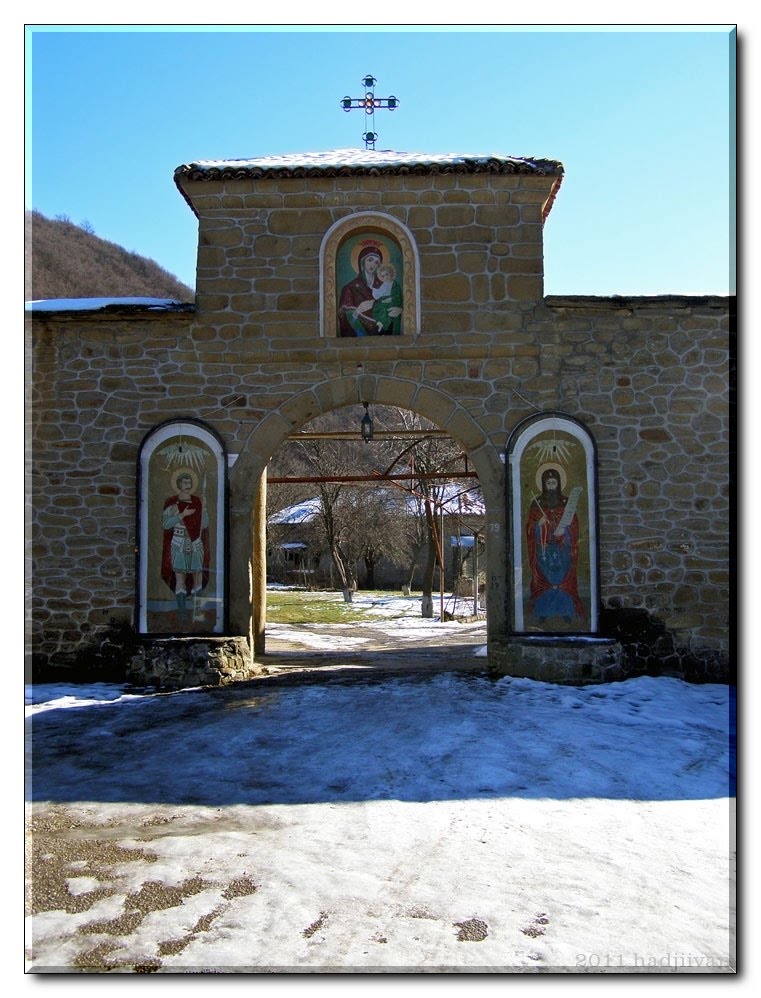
column 369, row 278
column 181, row 554
column 552, row 511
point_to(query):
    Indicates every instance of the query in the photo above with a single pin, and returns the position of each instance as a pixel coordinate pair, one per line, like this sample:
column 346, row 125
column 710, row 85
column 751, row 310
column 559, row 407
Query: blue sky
column 643, row 121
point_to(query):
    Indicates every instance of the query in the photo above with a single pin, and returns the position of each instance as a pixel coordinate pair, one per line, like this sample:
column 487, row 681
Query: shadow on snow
column 358, row 737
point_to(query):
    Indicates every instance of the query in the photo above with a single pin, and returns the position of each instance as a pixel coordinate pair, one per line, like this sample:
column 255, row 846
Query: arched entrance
column 248, row 485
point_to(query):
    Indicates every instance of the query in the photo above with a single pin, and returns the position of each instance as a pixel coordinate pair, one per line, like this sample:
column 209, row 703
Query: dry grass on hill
column 64, row 260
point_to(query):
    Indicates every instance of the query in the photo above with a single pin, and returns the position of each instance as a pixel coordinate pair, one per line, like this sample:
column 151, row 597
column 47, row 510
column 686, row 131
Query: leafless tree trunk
column 431, row 559
column 330, row 495
column 426, row 456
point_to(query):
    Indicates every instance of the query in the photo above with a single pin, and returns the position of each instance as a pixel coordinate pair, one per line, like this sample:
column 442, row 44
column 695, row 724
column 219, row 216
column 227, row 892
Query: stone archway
column 248, row 484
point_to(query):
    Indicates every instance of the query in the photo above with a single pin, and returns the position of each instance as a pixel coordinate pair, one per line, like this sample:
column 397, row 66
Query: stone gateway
column 600, row 428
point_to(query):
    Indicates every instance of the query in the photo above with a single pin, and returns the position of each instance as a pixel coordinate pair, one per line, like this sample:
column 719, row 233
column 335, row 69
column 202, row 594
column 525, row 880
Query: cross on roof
column 368, row 104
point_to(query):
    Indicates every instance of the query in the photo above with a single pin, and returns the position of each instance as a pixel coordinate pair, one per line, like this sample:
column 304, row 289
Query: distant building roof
column 302, row 512
column 457, row 501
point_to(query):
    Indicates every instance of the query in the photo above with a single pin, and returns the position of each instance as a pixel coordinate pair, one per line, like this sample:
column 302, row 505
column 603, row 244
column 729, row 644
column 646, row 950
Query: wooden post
column 259, row 567
column 475, row 572
column 441, row 562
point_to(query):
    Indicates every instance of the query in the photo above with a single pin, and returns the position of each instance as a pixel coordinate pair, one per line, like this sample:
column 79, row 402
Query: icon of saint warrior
column 185, row 551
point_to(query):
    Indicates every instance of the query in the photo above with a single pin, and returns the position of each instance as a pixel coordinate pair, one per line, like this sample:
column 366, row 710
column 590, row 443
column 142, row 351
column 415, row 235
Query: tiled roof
column 364, row 162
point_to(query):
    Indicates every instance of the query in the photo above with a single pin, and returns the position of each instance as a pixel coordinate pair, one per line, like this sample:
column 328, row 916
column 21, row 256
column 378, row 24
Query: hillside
column 64, row 260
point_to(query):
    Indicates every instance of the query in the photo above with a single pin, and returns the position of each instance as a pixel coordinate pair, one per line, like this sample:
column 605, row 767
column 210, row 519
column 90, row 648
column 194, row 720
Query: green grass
column 292, row 607
column 311, row 608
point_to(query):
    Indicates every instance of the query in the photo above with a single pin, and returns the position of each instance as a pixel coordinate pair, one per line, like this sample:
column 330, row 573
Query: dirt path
column 341, row 647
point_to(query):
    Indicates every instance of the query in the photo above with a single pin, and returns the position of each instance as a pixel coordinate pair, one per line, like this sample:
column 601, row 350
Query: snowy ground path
column 393, row 638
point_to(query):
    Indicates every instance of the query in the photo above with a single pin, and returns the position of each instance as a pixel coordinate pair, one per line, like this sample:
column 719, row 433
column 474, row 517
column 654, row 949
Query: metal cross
column 368, row 104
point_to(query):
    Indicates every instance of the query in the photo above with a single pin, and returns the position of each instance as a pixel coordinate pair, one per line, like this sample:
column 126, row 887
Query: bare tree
column 424, row 456
column 399, row 523
column 322, row 458
column 377, row 531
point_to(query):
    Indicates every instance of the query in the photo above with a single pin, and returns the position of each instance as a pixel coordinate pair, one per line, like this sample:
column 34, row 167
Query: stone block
column 372, row 199
column 557, row 660
column 297, row 303
column 497, row 215
column 393, row 203
column 479, row 284
column 454, row 288
column 437, row 264
column 655, row 435
column 439, row 371
column 420, row 218
column 178, row 663
column 284, row 222
column 266, row 246
column 455, row 215
column 524, row 288
column 303, row 199
column 463, row 428
column 222, row 235
column 306, row 246
column 453, row 236
column 390, row 391
column 448, row 322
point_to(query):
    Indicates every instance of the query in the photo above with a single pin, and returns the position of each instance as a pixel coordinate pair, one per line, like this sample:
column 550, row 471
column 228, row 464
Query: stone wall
column 648, row 376
column 479, row 239
column 176, row 663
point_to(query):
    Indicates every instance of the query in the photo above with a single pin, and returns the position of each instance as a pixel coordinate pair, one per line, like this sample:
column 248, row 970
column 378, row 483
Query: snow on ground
column 392, row 609
column 393, row 616
column 450, row 823
column 440, row 823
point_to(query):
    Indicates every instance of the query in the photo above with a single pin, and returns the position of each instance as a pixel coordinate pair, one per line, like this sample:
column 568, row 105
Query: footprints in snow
column 472, row 930
column 536, row 928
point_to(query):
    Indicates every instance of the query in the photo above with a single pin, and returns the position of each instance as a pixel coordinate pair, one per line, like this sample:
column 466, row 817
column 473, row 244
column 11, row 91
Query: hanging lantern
column 366, row 425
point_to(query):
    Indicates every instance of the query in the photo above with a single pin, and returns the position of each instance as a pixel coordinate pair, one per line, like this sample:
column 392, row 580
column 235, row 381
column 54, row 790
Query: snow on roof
column 99, row 304
column 456, row 502
column 462, row 540
column 369, row 159
column 302, row 512
column 367, row 163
